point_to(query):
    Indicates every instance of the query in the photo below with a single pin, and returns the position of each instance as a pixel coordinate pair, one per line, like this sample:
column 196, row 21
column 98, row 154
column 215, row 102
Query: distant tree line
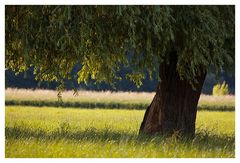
column 27, row 80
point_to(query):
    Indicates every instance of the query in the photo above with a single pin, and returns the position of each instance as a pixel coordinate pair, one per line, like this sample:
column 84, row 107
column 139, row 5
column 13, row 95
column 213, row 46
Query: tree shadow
column 201, row 141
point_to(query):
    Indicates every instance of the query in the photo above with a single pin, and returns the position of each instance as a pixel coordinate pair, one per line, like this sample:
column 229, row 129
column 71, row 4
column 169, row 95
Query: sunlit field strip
column 54, row 132
column 107, row 97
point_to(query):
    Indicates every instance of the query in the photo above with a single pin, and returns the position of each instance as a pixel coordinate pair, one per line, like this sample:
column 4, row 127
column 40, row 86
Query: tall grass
column 83, row 96
column 51, row 132
column 107, row 99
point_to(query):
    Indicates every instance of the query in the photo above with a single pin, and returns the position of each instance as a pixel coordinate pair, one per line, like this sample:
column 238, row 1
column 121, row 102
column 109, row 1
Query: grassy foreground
column 107, row 99
column 55, row 132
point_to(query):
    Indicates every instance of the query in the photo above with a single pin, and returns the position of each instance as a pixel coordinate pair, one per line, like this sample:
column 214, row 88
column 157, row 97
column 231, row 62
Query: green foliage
column 220, row 89
column 136, row 78
column 53, row 39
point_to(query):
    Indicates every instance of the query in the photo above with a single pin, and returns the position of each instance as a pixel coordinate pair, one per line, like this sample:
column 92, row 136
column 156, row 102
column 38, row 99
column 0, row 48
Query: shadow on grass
column 203, row 140
column 90, row 134
column 102, row 105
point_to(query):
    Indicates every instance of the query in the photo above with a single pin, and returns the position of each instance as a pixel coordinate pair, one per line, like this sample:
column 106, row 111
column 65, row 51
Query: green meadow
column 40, row 132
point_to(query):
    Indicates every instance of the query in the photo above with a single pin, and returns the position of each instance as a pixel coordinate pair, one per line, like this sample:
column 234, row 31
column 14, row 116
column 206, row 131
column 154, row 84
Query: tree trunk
column 174, row 107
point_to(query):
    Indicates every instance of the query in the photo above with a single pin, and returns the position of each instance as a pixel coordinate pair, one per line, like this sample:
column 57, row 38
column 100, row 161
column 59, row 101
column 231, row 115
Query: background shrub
column 220, row 89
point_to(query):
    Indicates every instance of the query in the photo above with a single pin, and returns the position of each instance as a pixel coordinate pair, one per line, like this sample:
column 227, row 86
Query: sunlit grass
column 107, row 99
column 83, row 96
column 102, row 96
column 52, row 132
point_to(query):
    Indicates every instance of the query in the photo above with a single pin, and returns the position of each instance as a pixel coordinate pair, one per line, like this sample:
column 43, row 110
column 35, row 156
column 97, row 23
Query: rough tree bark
column 174, row 107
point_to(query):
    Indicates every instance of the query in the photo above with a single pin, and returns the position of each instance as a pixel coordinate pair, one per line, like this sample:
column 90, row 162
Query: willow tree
column 176, row 43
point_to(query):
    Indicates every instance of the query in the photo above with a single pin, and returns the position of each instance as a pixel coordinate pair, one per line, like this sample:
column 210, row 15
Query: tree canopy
column 52, row 39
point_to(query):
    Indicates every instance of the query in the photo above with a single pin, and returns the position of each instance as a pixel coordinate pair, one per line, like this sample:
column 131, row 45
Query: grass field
column 93, row 99
column 59, row 132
